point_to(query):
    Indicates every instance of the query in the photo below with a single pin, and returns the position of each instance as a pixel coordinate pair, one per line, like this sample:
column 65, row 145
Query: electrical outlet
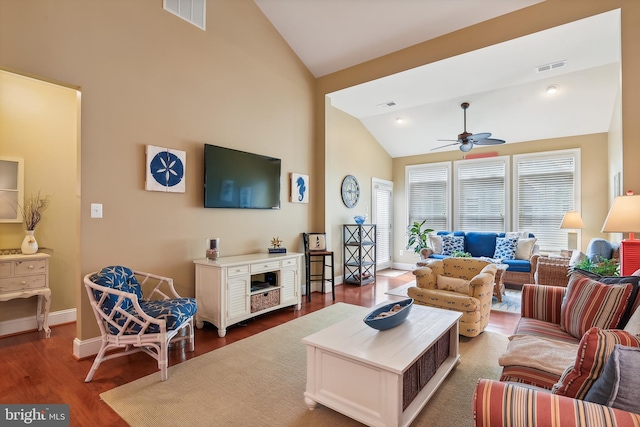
column 401, row 252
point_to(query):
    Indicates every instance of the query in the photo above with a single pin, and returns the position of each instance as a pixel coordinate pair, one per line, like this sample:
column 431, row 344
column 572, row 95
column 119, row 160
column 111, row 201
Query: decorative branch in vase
column 32, row 210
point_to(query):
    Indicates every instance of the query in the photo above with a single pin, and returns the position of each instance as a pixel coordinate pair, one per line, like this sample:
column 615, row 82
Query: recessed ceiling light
column 552, row 89
column 399, row 120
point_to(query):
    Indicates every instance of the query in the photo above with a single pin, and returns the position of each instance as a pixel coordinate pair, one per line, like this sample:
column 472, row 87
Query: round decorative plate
column 350, row 191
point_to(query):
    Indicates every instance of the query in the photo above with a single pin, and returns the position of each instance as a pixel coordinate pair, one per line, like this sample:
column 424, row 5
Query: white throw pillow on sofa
column 517, row 234
column 435, row 242
column 525, row 248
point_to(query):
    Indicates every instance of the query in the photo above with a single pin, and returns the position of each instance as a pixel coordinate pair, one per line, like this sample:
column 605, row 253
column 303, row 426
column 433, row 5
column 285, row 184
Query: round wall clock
column 350, row 191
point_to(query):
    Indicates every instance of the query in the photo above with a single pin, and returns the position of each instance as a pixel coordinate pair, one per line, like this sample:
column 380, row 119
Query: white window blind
column 383, row 224
column 428, row 191
column 481, row 194
column 546, row 188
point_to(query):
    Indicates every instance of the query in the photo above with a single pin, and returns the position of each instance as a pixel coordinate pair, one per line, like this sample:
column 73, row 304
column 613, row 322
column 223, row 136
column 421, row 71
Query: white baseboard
column 29, row 323
column 86, row 348
column 400, row 266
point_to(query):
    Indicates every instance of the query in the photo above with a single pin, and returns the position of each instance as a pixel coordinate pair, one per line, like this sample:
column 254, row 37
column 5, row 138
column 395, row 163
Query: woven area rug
column 510, row 300
column 260, row 381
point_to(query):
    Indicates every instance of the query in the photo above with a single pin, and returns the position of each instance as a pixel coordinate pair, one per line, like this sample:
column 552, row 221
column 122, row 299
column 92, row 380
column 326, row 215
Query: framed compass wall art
column 165, row 169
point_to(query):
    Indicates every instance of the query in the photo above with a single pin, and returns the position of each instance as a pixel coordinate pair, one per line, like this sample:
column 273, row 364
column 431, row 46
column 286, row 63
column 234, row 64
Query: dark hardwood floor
column 35, row 370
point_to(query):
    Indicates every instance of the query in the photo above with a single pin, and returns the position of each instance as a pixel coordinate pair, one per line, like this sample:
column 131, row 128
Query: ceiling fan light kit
column 468, row 139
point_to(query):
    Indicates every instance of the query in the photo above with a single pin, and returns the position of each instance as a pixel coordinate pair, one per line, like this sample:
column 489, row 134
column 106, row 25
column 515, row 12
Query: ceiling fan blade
column 489, row 141
column 452, row 140
column 479, row 136
column 448, row 145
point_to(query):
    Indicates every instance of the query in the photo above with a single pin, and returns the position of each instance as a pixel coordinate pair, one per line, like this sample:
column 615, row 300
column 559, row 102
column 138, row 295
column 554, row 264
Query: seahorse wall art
column 299, row 188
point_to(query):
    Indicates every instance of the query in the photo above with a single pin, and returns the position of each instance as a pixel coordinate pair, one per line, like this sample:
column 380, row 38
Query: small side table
column 498, row 287
column 24, row 276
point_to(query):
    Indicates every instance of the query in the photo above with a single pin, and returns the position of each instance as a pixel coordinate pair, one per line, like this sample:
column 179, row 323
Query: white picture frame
column 165, row 170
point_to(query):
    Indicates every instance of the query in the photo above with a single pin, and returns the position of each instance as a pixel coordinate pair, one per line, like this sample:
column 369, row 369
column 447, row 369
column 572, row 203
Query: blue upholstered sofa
column 483, row 244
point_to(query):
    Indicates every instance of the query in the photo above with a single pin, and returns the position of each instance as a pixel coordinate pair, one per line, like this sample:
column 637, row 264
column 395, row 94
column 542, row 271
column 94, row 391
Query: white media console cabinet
column 232, row 289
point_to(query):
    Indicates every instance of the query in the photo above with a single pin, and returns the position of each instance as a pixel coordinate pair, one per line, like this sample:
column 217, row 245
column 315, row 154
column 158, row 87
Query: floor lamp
column 573, row 221
column 624, row 217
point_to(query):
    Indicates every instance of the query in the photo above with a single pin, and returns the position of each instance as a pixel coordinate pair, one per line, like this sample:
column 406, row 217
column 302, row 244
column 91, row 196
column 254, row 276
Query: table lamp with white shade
column 624, row 217
column 573, row 221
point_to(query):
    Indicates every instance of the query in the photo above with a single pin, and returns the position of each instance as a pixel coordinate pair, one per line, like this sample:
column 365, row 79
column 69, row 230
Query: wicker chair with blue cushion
column 129, row 321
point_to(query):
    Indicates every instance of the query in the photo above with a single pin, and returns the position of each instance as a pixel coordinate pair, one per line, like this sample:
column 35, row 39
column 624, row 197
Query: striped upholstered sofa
column 497, row 404
column 563, row 355
column 555, row 335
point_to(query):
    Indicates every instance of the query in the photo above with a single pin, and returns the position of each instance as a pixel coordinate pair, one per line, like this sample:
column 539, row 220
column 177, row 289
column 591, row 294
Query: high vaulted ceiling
column 506, row 93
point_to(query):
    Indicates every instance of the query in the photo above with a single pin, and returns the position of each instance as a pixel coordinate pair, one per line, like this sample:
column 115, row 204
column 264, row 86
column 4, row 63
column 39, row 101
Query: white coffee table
column 382, row 378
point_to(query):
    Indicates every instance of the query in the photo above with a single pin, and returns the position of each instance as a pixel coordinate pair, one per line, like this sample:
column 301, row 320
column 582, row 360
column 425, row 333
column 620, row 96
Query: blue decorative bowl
column 359, row 219
column 392, row 320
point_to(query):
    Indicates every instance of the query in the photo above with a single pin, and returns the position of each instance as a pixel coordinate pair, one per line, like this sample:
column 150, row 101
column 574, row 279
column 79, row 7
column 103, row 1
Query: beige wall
column 593, row 154
column 148, row 77
column 39, row 122
column 351, row 150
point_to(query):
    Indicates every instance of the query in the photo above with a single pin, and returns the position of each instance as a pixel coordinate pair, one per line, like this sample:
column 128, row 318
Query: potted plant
column 460, row 254
column 604, row 267
column 32, row 210
column 418, row 236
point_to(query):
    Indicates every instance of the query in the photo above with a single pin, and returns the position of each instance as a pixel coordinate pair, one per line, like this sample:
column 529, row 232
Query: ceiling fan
column 467, row 139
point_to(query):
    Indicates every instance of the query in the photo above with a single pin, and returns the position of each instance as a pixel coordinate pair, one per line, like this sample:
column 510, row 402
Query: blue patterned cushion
column 506, row 248
column 452, row 243
column 175, row 311
column 119, row 278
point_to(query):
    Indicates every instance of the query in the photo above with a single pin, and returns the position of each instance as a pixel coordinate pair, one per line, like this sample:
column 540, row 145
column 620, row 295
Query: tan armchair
column 459, row 284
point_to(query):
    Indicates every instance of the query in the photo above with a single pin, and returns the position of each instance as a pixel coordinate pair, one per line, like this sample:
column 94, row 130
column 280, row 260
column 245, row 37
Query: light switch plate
column 96, row 210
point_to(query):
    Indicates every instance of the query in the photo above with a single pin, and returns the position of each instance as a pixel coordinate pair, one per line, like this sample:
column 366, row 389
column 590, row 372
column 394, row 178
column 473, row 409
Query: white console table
column 24, row 276
column 232, row 289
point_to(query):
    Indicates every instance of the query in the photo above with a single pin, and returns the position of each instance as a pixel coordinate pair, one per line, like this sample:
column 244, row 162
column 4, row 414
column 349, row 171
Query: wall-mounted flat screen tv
column 240, row 180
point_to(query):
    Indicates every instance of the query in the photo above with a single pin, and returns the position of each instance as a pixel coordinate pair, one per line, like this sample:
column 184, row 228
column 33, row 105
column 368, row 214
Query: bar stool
column 315, row 252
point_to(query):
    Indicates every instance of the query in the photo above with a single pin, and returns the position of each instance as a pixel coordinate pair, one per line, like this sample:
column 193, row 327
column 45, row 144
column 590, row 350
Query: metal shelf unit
column 359, row 253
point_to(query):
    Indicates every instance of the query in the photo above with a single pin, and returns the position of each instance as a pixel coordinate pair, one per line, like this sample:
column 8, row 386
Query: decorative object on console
column 165, row 169
column 572, row 221
column 213, row 248
column 299, row 188
column 276, row 249
column 32, row 210
column 624, row 217
column 350, row 191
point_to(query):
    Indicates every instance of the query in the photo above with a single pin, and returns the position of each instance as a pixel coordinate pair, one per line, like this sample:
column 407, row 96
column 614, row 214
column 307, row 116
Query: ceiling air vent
column 552, row 66
column 386, row 104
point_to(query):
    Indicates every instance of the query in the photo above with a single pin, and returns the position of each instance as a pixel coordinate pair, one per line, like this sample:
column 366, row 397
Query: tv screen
column 240, row 180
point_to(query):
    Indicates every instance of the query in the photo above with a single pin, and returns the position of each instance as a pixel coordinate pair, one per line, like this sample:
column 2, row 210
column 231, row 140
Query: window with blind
column 546, row 187
column 480, row 195
column 428, row 194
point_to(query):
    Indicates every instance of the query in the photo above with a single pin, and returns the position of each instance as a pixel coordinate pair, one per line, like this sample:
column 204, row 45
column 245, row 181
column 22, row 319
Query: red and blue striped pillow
column 589, row 303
